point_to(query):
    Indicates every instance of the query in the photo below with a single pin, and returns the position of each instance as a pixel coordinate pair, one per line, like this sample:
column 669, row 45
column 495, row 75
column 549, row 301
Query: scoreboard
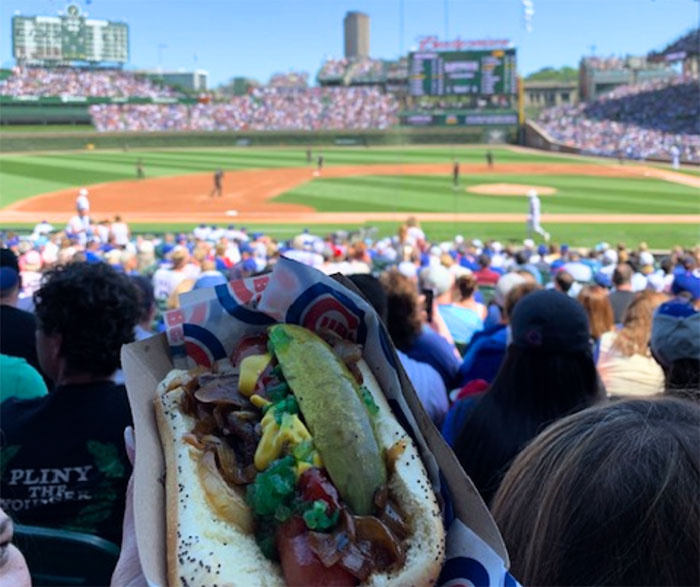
column 69, row 37
column 462, row 73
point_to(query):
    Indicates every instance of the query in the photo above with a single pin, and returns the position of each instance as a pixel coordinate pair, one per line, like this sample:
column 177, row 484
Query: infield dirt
column 248, row 196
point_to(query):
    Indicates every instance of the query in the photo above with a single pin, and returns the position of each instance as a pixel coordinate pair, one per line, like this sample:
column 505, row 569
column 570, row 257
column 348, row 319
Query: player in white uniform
column 533, row 217
column 79, row 225
column 82, row 202
column 675, row 157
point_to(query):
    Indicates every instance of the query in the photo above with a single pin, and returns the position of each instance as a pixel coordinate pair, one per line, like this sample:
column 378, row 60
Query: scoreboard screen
column 69, row 37
column 460, row 73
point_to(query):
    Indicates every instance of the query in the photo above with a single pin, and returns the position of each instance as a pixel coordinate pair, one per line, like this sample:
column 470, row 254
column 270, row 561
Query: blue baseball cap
column 602, row 279
column 9, row 270
column 675, row 332
column 542, row 250
column 687, row 282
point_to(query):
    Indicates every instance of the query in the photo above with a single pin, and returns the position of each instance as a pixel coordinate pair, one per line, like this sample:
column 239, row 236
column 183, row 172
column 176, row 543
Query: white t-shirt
column 79, row 226
column 637, row 375
column 43, row 228
column 102, row 231
column 120, row 232
column 415, row 233
column 165, row 281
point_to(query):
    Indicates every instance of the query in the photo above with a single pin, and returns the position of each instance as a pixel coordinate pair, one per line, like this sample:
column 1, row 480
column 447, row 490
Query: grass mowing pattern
column 24, row 175
column 575, row 194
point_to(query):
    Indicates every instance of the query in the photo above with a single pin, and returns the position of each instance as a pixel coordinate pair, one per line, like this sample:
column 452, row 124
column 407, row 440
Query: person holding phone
column 412, row 333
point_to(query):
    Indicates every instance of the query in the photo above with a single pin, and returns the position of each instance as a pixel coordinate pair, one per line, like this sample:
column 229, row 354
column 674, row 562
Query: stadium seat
column 62, row 557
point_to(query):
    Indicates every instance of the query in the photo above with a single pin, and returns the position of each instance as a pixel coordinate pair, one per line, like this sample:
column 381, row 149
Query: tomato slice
column 300, row 566
column 253, row 344
column 314, row 484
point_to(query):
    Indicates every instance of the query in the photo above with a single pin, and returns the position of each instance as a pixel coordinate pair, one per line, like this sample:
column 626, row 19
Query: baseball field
column 584, row 200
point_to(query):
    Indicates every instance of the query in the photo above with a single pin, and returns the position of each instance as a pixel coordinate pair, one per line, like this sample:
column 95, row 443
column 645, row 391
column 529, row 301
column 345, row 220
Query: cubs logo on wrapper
column 206, row 328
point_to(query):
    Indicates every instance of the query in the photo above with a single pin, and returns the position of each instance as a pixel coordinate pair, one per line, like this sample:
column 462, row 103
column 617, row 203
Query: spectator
column 485, row 275
column 85, row 314
column 464, row 316
column 411, row 335
column 487, row 348
column 687, row 286
column 650, row 119
column 19, row 379
column 120, row 231
column 607, row 496
column 595, row 302
column 424, row 378
column 623, row 295
column 147, row 307
column 17, row 327
column 166, row 279
column 625, row 363
column 675, row 344
column 563, row 281
column 548, row 372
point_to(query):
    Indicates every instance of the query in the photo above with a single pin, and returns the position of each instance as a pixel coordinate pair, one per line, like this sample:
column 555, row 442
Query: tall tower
column 356, row 34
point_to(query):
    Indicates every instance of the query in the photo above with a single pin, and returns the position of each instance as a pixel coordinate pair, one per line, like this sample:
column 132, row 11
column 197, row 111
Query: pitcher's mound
column 509, row 189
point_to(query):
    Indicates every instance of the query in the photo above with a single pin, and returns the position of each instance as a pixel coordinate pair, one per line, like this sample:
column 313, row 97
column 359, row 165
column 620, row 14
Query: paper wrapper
column 205, row 330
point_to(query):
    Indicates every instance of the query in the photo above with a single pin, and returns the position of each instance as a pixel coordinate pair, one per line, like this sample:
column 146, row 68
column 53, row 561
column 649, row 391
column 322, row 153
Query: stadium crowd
column 265, row 108
column 292, row 79
column 640, row 121
column 537, row 362
column 90, row 83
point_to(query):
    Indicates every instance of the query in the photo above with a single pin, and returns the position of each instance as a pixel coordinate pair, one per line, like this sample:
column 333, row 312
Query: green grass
column 575, row 194
column 24, row 175
column 658, row 236
column 46, row 128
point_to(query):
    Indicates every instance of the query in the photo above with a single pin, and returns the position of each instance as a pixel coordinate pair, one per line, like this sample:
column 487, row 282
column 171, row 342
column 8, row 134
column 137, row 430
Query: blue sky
column 256, row 38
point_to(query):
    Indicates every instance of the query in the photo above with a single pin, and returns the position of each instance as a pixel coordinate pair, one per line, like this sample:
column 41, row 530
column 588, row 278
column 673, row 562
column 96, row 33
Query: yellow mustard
column 276, row 437
column 259, row 402
column 250, row 370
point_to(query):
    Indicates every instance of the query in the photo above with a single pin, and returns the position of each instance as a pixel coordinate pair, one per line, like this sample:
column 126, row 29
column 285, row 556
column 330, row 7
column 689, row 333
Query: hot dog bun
column 203, row 548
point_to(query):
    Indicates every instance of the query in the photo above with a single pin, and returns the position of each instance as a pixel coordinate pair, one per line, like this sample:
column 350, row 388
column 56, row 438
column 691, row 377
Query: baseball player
column 81, row 202
column 533, row 217
column 455, row 174
column 320, row 163
column 218, row 184
column 489, row 159
column 79, row 225
column 675, row 157
column 139, row 169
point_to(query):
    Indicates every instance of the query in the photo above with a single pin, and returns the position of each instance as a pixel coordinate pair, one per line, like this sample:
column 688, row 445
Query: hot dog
column 290, row 469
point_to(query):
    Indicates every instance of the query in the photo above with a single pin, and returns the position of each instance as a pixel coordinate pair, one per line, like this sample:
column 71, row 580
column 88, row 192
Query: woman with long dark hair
column 548, row 372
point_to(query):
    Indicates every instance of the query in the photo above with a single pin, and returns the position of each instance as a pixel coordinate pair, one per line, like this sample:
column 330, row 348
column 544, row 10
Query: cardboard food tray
column 147, row 362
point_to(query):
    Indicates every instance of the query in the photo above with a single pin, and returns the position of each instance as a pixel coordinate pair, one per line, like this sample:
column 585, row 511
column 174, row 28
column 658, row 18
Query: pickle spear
column 328, row 397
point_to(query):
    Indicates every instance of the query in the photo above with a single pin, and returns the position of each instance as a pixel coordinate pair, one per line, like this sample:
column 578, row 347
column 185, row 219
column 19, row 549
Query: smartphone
column 428, row 293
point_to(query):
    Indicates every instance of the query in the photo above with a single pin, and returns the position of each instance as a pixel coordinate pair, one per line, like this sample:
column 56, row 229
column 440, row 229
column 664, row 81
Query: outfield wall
column 12, row 142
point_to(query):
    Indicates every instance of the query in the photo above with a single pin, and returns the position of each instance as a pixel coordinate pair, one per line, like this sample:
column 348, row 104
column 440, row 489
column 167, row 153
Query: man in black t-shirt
column 17, row 327
column 622, row 296
column 62, row 458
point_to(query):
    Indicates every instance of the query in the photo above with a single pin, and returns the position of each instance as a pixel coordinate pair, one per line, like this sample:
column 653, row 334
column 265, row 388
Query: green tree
column 563, row 74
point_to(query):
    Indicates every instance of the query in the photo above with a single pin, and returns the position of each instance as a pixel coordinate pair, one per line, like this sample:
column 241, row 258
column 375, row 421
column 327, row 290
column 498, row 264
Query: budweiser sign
column 432, row 43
